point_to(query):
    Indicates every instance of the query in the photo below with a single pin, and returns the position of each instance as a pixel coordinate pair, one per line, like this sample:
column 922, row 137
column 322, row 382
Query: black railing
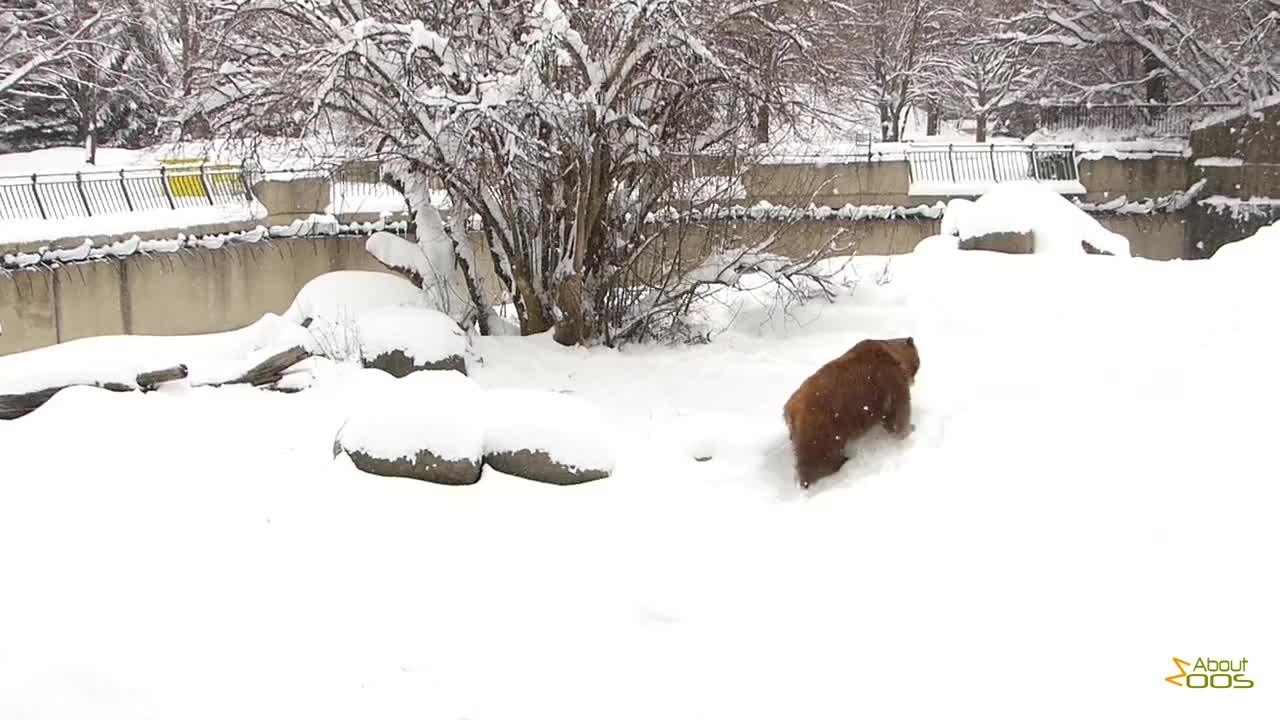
column 55, row 196
column 967, row 164
column 1148, row 119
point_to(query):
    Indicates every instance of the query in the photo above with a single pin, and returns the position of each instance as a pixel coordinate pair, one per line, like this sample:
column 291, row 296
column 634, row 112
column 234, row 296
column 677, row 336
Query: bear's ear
column 911, row 342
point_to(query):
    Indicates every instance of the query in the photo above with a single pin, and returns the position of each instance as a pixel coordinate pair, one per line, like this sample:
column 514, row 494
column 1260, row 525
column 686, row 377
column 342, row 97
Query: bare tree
column 36, row 35
column 1158, row 51
column 99, row 62
column 986, row 72
column 894, row 55
column 555, row 131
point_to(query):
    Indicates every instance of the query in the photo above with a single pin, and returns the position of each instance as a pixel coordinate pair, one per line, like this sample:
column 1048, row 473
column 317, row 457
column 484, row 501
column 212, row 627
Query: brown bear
column 867, row 386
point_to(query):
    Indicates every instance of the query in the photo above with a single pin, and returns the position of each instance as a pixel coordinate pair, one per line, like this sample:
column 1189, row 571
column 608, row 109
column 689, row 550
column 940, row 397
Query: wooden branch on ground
column 149, row 380
column 272, row 369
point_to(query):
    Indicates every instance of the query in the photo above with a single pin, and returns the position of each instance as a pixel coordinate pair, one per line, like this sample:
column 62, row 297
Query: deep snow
column 1089, row 492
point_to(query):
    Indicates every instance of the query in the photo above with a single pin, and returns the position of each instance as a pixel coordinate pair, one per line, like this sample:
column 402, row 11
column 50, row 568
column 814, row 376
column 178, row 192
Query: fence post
column 951, row 161
column 1035, row 166
column 124, row 188
column 995, row 176
column 84, row 200
column 35, row 191
column 164, row 183
column 204, row 183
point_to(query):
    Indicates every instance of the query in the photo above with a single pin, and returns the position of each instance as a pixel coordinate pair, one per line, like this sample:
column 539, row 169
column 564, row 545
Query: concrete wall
column 183, row 293
column 1108, row 178
column 1252, row 140
column 834, row 185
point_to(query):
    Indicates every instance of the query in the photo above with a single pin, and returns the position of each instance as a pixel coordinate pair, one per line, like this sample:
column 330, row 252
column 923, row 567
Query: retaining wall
column 186, row 292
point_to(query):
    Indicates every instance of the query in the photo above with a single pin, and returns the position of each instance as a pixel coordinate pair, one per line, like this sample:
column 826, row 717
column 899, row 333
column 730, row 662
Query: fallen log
column 272, row 369
column 266, row 373
column 149, row 380
column 15, row 406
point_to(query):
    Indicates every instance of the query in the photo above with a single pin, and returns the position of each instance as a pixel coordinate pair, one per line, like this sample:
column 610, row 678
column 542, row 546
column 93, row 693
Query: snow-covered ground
column 1089, row 492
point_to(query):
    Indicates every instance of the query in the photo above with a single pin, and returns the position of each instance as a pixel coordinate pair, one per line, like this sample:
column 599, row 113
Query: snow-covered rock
column 546, row 436
column 330, row 305
column 937, row 244
column 1054, row 223
column 344, row 295
column 401, row 339
column 426, row 426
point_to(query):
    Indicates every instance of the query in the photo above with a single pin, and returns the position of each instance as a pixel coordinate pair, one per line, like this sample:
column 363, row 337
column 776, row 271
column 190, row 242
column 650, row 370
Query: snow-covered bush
column 401, row 339
column 556, row 127
column 427, row 426
column 546, row 436
column 1055, row 223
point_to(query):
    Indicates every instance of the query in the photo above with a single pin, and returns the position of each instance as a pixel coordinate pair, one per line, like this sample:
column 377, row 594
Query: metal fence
column 50, row 196
column 958, row 164
column 1147, row 119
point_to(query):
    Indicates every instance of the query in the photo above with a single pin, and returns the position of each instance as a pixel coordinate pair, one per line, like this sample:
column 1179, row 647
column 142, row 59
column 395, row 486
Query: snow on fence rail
column 968, row 168
column 55, row 196
column 1150, row 119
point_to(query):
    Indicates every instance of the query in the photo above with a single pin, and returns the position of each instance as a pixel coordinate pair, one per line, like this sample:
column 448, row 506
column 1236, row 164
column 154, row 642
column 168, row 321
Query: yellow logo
column 1209, row 673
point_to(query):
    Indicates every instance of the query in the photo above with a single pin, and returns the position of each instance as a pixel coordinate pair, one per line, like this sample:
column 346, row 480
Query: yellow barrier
column 186, row 181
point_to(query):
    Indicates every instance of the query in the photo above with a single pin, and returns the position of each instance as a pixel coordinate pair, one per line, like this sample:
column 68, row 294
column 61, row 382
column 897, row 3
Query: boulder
column 1001, row 241
column 404, row 339
column 425, row 426
column 546, row 436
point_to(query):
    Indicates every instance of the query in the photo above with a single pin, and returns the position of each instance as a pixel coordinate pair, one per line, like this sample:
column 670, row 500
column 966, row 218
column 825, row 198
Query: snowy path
column 1090, row 491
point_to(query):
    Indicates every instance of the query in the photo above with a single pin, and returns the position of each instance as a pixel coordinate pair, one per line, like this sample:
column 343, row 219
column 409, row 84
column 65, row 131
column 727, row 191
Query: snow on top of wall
column 569, row 429
column 1058, row 225
column 125, row 248
column 435, row 410
column 423, row 334
column 1219, row 162
column 766, row 211
column 1239, row 208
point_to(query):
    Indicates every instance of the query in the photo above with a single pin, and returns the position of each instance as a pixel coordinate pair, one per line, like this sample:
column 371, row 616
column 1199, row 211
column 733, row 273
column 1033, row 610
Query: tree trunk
column 91, row 137
column 980, row 131
column 933, row 118
column 888, row 126
column 762, row 124
column 1157, row 86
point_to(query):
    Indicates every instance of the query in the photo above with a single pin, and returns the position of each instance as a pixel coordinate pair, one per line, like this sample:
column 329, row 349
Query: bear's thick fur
column 867, row 386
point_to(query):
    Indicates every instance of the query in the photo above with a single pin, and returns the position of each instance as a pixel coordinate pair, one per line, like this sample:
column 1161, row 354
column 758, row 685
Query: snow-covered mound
column 1057, row 225
column 332, row 303
column 937, row 244
column 426, row 426
column 546, row 436
column 1262, row 246
column 401, row 339
column 341, row 296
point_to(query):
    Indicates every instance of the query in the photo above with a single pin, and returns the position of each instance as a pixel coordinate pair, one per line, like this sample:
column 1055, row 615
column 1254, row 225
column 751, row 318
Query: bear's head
column 905, row 352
